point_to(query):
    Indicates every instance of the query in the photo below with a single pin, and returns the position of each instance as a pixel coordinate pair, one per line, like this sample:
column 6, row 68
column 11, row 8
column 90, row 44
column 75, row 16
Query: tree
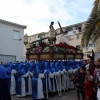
column 92, row 26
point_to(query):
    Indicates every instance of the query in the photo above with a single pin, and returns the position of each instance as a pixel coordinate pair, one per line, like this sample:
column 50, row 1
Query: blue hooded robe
column 52, row 76
column 4, row 90
column 20, row 73
column 37, row 86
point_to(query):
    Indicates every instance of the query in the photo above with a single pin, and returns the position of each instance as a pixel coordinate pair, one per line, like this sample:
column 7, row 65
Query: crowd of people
column 87, row 80
column 42, row 79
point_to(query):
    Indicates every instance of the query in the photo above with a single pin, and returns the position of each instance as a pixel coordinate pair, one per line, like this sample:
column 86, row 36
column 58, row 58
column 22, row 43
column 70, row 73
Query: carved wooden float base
column 53, row 56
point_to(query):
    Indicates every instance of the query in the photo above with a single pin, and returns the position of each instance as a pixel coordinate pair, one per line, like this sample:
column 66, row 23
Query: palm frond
column 91, row 25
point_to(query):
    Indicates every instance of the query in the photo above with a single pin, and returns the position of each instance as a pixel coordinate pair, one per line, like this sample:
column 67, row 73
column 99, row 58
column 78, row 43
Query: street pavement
column 71, row 95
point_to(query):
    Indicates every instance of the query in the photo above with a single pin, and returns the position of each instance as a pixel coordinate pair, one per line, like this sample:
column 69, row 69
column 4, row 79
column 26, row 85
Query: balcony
column 77, row 32
column 88, row 49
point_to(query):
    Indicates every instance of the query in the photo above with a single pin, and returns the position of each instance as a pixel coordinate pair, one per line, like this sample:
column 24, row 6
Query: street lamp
column 26, row 39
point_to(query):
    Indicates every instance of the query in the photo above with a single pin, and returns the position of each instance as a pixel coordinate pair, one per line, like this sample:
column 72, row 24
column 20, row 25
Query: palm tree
column 92, row 27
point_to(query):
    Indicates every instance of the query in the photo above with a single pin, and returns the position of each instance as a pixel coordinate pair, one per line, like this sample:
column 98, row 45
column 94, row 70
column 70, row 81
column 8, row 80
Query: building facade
column 11, row 41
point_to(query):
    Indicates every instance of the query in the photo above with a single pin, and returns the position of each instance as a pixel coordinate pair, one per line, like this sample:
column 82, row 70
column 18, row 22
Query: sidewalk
column 71, row 95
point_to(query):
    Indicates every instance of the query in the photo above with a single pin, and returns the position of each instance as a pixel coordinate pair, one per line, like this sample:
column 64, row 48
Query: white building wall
column 8, row 45
column 74, row 40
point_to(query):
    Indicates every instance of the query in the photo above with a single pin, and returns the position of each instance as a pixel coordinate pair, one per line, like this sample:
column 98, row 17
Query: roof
column 75, row 24
column 41, row 33
column 12, row 24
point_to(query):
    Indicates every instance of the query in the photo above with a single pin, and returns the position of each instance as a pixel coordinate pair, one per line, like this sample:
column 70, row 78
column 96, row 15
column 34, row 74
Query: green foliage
column 92, row 26
column 79, row 49
column 46, row 50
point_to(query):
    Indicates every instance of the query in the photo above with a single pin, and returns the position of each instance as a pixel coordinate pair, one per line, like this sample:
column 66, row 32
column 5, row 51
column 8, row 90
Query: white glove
column 45, row 71
column 51, row 75
column 31, row 74
column 26, row 75
column 87, row 66
column 62, row 73
column 54, row 73
column 57, row 74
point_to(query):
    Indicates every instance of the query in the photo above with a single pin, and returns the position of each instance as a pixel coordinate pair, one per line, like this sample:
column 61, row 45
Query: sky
column 38, row 14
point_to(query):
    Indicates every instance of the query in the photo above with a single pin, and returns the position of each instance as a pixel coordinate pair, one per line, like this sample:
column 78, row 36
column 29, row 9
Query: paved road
column 71, row 95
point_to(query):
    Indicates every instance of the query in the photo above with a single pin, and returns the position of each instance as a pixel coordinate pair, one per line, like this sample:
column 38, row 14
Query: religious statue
column 28, row 45
column 52, row 32
column 63, row 39
column 51, row 26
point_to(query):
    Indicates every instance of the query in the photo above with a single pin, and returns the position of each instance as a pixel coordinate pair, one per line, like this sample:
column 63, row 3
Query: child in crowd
column 88, row 87
column 89, row 74
column 81, row 75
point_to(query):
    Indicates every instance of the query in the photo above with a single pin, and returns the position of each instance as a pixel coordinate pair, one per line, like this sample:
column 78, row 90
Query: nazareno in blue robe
column 37, row 88
column 46, row 79
column 20, row 72
column 52, row 79
column 4, row 90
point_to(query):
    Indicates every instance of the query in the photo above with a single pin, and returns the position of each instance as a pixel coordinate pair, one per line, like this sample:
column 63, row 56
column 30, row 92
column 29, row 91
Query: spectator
column 96, row 79
column 98, row 90
column 88, row 86
column 95, row 71
column 89, row 74
column 81, row 75
column 2, row 63
column 98, row 63
column 78, row 86
column 91, row 65
column 84, row 64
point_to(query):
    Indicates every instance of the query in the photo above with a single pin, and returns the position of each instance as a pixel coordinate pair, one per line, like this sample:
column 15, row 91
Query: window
column 77, row 36
column 7, row 58
column 41, row 36
column 79, row 28
column 91, row 45
column 34, row 37
column 99, row 4
column 16, row 35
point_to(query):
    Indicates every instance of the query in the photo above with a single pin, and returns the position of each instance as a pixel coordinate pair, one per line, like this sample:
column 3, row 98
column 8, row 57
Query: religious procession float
column 52, row 51
column 39, row 77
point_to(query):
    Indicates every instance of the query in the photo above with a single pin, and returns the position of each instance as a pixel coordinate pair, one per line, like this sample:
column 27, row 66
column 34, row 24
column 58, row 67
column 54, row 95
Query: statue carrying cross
column 53, row 33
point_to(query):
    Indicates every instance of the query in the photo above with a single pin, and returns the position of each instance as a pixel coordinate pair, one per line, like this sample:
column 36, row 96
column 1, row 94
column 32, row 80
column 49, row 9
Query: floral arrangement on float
column 79, row 49
column 44, row 47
